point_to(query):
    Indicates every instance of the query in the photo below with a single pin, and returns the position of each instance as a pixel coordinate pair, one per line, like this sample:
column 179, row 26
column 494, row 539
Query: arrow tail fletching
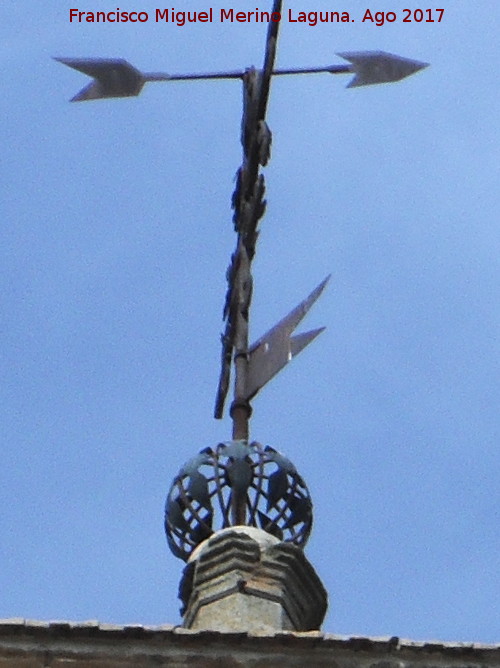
column 113, row 77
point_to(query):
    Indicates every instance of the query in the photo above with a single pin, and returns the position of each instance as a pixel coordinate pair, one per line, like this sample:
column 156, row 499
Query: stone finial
column 243, row 579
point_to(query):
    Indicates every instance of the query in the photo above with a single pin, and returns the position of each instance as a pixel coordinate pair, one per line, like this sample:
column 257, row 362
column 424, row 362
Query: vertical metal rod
column 249, row 207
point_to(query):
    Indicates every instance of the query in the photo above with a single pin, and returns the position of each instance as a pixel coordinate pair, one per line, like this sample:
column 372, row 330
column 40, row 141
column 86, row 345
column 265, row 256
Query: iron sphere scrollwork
column 202, row 496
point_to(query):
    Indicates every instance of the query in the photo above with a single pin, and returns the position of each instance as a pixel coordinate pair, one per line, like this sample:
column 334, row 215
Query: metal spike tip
column 376, row 67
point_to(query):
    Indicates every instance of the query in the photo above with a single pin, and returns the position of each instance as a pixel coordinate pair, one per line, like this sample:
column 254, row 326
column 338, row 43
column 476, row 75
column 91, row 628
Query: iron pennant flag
column 277, row 347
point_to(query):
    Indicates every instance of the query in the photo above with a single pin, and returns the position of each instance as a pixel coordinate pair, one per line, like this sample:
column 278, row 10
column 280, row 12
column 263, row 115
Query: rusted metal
column 232, row 484
column 240, row 409
column 249, row 206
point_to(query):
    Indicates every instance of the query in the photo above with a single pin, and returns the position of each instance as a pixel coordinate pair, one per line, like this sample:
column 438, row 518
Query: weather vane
column 238, row 482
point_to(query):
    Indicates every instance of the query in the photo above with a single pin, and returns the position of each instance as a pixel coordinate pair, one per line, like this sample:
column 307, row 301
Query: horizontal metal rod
column 239, row 74
column 332, row 69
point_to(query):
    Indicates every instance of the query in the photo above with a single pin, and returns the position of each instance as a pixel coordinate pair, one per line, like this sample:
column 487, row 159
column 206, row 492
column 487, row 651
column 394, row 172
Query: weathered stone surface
column 90, row 645
column 241, row 581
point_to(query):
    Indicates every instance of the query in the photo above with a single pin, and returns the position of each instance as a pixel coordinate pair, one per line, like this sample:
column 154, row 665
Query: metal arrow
column 112, row 77
column 375, row 67
column 115, row 77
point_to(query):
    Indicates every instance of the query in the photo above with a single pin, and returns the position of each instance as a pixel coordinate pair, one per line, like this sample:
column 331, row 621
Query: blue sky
column 115, row 239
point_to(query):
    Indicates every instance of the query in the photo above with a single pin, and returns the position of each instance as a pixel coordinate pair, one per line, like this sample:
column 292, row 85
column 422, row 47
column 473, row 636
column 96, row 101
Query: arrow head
column 113, row 77
column 375, row 67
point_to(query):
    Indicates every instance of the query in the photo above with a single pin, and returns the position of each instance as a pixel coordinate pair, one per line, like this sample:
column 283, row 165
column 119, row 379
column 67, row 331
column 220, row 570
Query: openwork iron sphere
column 236, row 483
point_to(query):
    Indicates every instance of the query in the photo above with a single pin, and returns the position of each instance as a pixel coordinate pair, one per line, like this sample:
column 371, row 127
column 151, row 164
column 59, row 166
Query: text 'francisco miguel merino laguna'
column 181, row 18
